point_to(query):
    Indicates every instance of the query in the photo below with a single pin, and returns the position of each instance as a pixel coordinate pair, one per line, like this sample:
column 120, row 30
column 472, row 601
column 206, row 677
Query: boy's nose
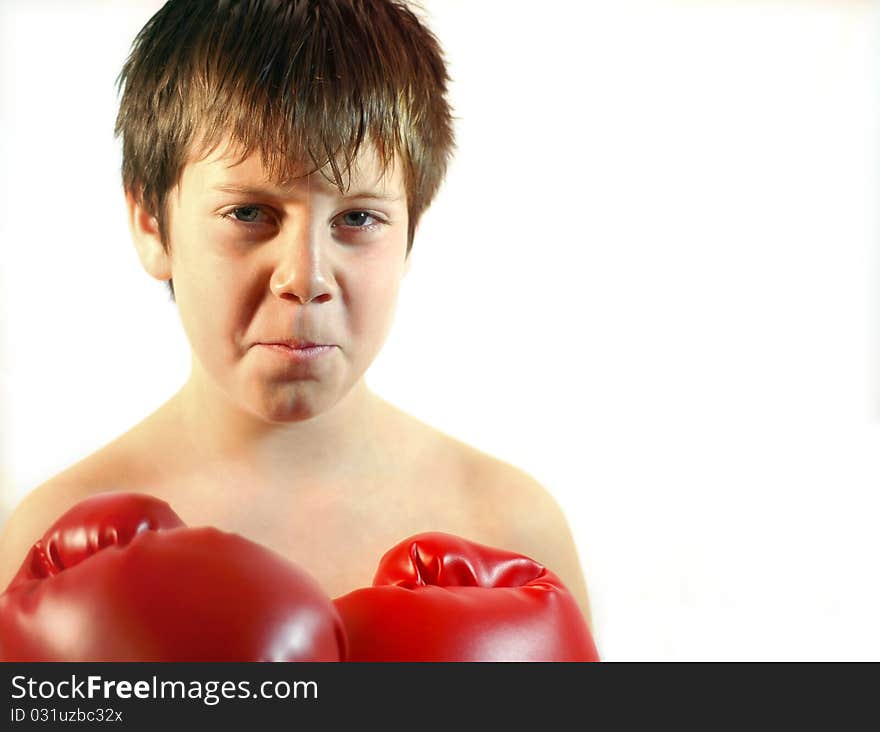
column 299, row 270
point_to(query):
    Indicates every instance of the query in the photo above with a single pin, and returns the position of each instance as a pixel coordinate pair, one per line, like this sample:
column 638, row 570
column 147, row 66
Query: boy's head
column 277, row 156
column 304, row 84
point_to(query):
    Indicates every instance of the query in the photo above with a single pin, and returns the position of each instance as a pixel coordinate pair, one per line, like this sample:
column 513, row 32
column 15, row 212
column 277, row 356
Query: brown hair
column 292, row 80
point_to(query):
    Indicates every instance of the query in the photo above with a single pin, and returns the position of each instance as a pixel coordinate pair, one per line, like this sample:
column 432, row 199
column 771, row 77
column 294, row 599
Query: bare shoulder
column 39, row 509
column 29, row 521
column 524, row 517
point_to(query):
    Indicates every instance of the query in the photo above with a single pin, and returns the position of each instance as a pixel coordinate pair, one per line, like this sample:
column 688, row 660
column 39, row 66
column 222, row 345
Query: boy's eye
column 246, row 214
column 362, row 220
column 355, row 218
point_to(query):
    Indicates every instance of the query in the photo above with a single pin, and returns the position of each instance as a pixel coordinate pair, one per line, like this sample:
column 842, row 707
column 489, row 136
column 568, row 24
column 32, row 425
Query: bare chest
column 336, row 528
column 337, row 535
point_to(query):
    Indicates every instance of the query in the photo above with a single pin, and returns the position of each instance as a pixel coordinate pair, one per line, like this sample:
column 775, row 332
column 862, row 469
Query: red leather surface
column 438, row 597
column 120, row 578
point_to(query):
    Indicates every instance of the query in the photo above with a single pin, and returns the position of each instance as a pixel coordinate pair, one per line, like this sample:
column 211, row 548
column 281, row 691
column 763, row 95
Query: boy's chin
column 299, row 407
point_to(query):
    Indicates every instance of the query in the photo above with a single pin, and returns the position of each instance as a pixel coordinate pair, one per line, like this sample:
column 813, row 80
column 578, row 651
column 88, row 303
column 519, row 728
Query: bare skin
column 336, row 527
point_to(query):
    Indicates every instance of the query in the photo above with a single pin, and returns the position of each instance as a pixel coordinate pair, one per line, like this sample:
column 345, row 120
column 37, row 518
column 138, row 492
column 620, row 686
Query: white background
column 655, row 255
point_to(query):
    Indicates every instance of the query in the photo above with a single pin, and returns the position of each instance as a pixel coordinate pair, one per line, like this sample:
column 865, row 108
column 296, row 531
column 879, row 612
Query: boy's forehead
column 224, row 167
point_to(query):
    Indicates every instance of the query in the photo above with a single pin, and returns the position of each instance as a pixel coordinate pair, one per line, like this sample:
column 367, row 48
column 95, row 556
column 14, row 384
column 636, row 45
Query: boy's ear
column 145, row 233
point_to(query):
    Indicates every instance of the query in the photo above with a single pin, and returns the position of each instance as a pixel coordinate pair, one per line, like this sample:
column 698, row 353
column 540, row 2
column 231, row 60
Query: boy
column 277, row 157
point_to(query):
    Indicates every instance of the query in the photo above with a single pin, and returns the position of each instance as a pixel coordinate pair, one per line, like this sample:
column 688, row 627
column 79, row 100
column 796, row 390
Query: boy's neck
column 346, row 437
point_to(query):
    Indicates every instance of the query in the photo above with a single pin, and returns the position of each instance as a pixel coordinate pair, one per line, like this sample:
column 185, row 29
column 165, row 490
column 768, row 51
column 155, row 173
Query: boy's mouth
column 294, row 344
column 297, row 351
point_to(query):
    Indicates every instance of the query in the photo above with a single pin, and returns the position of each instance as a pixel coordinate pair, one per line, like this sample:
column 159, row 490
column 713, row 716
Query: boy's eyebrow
column 278, row 193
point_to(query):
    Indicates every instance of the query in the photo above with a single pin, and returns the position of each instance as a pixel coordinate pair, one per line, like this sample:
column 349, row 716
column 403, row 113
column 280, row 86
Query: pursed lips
column 295, row 344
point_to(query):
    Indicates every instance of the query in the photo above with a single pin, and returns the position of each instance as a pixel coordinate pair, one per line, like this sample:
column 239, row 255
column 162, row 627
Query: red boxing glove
column 119, row 577
column 438, row 597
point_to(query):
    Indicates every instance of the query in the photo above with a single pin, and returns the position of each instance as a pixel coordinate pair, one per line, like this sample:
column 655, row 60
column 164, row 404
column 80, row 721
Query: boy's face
column 255, row 264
